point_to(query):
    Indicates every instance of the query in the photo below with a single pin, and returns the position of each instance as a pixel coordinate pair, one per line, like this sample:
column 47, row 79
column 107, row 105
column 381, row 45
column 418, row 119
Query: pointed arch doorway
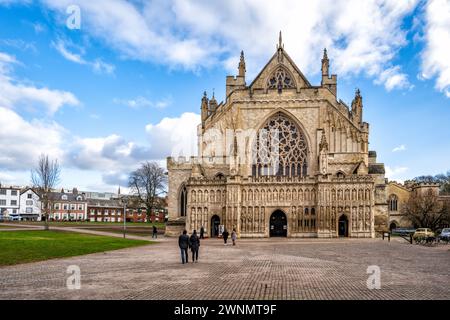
column 343, row 226
column 215, row 222
column 278, row 224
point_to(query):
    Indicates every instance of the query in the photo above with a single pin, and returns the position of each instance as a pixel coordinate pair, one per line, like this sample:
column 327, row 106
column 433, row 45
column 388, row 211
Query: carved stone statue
column 323, row 155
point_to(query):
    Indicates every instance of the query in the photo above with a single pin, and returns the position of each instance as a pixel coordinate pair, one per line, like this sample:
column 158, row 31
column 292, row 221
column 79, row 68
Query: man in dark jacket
column 202, row 232
column 155, row 232
column 183, row 243
column 225, row 235
column 194, row 243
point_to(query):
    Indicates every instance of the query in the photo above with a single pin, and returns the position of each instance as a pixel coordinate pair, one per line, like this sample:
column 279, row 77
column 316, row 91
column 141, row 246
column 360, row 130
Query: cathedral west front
column 280, row 157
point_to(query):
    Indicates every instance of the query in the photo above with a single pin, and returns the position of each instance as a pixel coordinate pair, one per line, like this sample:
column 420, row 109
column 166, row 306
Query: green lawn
column 27, row 246
column 159, row 225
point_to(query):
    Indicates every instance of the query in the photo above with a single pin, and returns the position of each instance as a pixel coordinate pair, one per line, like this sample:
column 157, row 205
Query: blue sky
column 126, row 86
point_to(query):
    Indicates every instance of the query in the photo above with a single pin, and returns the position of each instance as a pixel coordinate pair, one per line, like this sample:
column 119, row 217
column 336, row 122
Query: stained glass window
column 280, row 149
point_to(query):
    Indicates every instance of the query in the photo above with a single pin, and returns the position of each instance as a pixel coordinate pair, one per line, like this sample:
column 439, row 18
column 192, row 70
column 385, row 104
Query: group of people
column 226, row 234
column 186, row 242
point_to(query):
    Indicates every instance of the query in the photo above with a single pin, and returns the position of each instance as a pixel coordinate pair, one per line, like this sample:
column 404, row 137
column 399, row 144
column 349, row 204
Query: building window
column 29, row 210
column 14, row 192
column 393, row 202
column 183, row 201
column 280, row 149
column 80, row 207
column 64, row 197
column 29, row 196
column 14, row 202
column 56, row 206
column 2, row 202
column 280, row 79
column 3, row 191
column 65, row 206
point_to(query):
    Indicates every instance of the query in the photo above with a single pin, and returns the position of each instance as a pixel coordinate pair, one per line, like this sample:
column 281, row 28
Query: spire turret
column 327, row 81
column 357, row 107
column 280, row 48
column 204, row 109
column 212, row 104
column 325, row 64
column 241, row 66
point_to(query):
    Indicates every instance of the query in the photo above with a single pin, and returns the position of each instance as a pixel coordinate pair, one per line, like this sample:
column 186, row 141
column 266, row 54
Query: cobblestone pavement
column 254, row 269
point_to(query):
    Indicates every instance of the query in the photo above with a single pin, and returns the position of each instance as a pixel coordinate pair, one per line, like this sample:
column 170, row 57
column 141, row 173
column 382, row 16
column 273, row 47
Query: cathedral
column 280, row 157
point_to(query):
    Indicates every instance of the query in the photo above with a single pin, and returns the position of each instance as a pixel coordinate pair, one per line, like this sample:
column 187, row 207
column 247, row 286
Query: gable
column 280, row 65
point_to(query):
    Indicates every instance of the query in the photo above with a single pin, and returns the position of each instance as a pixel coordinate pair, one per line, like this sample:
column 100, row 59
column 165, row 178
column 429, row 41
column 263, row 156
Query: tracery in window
column 393, row 202
column 280, row 149
column 280, row 79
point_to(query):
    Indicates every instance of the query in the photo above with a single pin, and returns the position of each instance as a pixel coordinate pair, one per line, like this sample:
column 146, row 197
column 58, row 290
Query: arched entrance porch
column 215, row 222
column 343, row 226
column 278, row 224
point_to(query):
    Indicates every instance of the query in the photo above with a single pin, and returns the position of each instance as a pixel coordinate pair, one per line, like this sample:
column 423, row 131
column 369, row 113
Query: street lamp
column 124, row 202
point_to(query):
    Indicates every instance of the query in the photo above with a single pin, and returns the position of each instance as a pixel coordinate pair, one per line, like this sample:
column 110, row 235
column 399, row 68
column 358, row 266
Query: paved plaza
column 254, row 269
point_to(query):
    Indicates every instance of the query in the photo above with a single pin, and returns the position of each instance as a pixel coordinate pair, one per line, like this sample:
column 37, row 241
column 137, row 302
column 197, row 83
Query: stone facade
column 280, row 157
column 399, row 194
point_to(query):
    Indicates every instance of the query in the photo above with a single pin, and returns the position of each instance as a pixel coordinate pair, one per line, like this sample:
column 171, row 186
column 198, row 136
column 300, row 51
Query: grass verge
column 28, row 246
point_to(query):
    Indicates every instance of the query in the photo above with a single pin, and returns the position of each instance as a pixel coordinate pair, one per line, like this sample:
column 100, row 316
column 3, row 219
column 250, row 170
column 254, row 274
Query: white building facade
column 9, row 203
column 30, row 205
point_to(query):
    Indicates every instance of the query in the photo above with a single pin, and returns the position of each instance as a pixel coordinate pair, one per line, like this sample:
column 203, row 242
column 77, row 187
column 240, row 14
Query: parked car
column 445, row 234
column 423, row 233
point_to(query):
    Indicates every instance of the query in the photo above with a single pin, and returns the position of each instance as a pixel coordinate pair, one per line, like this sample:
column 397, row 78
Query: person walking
column 155, row 232
column 234, row 236
column 194, row 243
column 225, row 235
column 202, row 232
column 183, row 243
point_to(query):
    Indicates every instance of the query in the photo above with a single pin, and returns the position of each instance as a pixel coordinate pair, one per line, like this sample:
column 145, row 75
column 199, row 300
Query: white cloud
column 174, row 136
column 362, row 36
column 111, row 153
column 97, row 65
column 141, row 102
column 19, row 44
column 396, row 173
column 392, row 78
column 115, row 156
column 26, row 140
column 401, row 147
column 14, row 92
column 38, row 27
column 435, row 57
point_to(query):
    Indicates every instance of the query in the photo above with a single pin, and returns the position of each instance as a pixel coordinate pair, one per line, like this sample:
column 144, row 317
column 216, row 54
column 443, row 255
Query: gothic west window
column 393, row 202
column 183, row 201
column 280, row 149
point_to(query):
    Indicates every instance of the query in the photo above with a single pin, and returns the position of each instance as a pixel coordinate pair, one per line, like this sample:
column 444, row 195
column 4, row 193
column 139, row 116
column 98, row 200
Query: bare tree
column 148, row 183
column 443, row 179
column 44, row 178
column 425, row 210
